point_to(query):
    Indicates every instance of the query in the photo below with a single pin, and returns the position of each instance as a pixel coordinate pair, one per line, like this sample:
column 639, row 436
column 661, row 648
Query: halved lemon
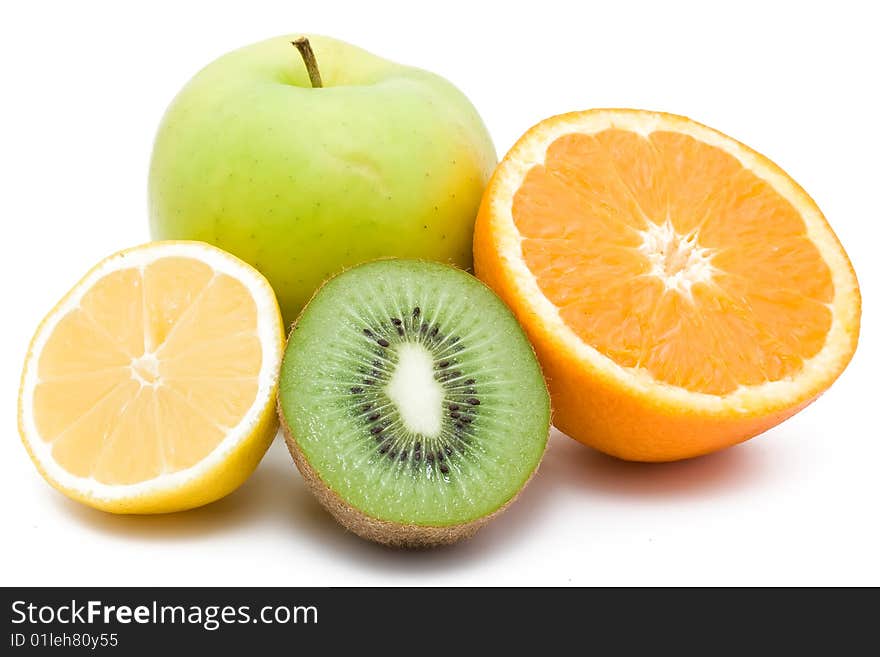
column 682, row 292
column 150, row 387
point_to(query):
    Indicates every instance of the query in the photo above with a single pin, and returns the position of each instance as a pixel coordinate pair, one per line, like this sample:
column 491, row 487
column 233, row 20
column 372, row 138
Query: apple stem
column 305, row 49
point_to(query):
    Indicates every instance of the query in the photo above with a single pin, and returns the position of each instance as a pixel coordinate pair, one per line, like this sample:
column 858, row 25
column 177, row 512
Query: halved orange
column 150, row 387
column 682, row 292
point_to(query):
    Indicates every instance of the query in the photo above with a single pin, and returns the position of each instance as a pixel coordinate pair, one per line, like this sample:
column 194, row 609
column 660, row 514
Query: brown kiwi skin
column 384, row 532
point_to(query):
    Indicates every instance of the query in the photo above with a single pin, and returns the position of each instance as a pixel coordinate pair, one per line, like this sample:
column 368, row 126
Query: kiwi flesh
column 412, row 402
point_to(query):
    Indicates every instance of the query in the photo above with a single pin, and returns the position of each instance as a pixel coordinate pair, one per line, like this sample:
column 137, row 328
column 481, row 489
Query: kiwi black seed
column 412, row 402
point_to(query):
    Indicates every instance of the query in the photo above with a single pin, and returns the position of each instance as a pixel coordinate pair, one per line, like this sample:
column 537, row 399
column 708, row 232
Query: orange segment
column 697, row 176
column 637, row 163
column 676, row 201
column 157, row 357
column 669, row 271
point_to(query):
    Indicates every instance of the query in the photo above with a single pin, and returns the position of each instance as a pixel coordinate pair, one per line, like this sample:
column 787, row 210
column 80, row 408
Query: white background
column 83, row 88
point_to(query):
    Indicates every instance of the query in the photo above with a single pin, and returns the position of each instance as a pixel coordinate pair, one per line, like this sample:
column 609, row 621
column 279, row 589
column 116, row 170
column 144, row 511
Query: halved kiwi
column 412, row 402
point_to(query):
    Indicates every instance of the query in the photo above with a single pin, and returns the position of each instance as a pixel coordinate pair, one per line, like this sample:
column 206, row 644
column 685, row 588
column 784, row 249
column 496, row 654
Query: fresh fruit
column 151, row 386
column 682, row 292
column 412, row 402
column 301, row 182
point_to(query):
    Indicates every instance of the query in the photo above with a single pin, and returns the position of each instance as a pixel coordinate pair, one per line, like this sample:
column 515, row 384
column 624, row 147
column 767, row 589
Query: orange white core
column 677, row 260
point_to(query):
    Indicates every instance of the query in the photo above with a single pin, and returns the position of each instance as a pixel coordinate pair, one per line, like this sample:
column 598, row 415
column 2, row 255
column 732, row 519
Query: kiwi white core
column 415, row 392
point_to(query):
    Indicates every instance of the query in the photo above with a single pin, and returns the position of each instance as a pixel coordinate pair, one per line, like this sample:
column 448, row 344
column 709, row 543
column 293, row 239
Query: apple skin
column 384, row 160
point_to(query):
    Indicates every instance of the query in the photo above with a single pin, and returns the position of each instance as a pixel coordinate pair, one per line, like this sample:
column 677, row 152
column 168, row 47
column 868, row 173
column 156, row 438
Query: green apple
column 303, row 181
